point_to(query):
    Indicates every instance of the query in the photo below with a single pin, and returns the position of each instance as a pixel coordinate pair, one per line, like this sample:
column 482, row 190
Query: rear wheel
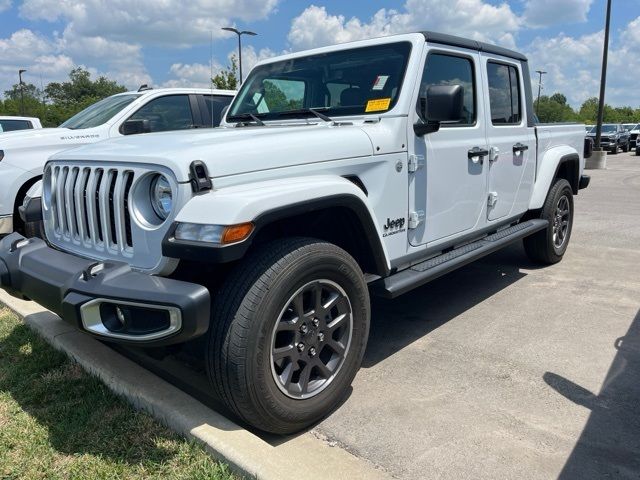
column 548, row 246
column 288, row 333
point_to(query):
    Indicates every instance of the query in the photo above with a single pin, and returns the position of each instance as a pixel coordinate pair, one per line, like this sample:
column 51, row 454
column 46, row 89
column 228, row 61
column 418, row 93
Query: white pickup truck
column 24, row 153
column 367, row 167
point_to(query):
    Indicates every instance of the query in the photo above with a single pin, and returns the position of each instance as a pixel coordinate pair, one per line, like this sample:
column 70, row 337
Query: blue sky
column 167, row 42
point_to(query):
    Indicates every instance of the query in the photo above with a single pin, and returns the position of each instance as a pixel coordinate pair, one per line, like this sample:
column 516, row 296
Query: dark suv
column 614, row 137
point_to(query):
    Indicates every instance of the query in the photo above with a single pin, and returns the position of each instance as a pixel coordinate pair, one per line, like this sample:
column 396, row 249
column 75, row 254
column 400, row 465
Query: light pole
column 20, row 72
column 239, row 33
column 539, row 72
column 603, row 77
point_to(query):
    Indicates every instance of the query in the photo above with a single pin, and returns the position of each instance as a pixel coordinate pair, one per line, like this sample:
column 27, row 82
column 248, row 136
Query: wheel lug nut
column 312, row 352
column 301, row 347
column 315, row 322
column 321, row 337
column 303, row 329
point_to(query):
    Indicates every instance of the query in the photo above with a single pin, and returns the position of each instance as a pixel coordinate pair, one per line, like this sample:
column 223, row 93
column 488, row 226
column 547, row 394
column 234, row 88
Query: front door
column 448, row 188
column 512, row 143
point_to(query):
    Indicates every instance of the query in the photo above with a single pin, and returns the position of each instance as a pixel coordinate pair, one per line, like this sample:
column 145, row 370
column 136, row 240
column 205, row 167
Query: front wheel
column 627, row 147
column 288, row 333
column 549, row 245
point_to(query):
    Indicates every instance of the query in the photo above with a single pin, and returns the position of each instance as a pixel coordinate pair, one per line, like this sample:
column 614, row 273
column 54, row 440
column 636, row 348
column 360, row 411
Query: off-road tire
column 627, row 147
column 614, row 150
column 244, row 315
column 540, row 246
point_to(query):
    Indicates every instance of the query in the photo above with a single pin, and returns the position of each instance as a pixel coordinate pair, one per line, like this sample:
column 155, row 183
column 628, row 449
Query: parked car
column 634, row 131
column 588, row 128
column 614, row 137
column 374, row 166
column 11, row 124
column 23, row 154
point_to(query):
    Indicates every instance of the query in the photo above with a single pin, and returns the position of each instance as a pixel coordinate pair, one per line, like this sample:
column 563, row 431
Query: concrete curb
column 246, row 453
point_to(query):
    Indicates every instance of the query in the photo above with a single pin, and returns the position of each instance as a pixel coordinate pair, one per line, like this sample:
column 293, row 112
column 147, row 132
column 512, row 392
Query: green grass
column 56, row 421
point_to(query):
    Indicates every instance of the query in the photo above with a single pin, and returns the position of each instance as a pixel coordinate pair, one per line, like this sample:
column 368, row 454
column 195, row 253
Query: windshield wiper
column 314, row 111
column 247, row 116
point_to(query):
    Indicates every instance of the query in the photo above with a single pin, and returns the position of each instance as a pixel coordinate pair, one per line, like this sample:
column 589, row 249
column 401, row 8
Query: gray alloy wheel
column 548, row 246
column 311, row 338
column 561, row 221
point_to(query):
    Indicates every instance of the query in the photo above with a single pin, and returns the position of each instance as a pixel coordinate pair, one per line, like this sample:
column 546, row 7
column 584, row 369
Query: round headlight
column 161, row 196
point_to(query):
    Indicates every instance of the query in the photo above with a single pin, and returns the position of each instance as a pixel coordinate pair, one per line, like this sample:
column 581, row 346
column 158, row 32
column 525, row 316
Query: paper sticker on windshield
column 381, row 81
column 378, row 105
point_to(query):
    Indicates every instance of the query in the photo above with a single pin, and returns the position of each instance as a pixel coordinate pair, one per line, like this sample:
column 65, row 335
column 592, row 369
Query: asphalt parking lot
column 506, row 370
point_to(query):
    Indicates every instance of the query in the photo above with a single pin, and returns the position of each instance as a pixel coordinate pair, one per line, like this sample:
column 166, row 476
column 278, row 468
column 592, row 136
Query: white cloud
column 573, row 65
column 198, row 74
column 471, row 18
column 544, row 13
column 171, row 23
column 250, row 57
column 195, row 75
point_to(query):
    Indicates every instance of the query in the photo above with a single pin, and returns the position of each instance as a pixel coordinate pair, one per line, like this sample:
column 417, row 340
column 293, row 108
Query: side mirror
column 439, row 104
column 134, row 127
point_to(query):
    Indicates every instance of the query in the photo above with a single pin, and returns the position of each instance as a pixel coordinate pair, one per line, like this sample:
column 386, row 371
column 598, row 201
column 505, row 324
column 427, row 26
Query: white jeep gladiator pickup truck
column 24, row 153
column 367, row 167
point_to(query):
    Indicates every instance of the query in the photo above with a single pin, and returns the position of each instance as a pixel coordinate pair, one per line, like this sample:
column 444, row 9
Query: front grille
column 91, row 206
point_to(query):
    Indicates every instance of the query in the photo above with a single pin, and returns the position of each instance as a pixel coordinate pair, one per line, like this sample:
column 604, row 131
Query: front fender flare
column 265, row 202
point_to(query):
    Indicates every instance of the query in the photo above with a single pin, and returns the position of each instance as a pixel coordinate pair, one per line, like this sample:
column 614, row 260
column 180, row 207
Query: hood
column 45, row 137
column 231, row 151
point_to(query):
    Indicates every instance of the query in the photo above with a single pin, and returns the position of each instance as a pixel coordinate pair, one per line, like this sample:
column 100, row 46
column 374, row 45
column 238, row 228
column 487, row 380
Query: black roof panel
column 443, row 38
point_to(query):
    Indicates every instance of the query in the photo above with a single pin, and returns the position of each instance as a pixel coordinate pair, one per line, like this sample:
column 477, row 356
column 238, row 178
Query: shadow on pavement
column 609, row 446
column 399, row 322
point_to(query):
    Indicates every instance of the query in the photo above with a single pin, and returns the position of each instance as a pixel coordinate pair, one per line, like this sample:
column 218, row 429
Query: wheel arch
column 22, row 191
column 330, row 208
column 561, row 162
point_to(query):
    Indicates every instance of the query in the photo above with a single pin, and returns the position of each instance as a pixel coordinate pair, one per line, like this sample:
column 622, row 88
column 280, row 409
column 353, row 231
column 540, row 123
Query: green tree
column 13, row 103
column 227, row 79
column 65, row 99
column 555, row 109
column 81, row 88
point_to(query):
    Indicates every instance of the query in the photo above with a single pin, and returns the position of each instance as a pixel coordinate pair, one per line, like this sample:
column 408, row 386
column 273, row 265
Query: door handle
column 518, row 148
column 477, row 154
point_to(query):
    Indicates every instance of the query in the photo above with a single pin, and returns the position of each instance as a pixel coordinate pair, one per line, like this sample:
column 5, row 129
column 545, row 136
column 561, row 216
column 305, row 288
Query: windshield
column 99, row 113
column 346, row 82
column 607, row 129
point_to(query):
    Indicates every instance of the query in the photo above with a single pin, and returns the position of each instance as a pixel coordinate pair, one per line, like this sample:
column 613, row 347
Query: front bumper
column 107, row 300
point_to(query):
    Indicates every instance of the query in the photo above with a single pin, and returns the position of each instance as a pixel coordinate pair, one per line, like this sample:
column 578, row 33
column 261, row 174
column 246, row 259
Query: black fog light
column 133, row 320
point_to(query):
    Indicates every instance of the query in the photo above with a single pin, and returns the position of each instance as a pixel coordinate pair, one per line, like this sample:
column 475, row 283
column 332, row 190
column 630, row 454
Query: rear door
column 511, row 161
column 448, row 188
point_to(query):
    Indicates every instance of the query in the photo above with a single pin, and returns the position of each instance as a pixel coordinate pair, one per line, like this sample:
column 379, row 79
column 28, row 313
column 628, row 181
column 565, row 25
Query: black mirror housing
column 134, row 127
column 440, row 104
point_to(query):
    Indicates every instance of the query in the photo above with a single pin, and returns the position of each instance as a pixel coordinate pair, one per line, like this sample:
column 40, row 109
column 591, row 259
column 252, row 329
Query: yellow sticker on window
column 378, row 105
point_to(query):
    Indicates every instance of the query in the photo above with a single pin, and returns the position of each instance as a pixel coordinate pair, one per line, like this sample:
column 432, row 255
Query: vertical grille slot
column 96, row 200
column 127, row 213
column 113, row 237
column 91, row 206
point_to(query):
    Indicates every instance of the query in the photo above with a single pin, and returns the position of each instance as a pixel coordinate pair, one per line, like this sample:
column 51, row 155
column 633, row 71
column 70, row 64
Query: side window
column 171, row 112
column 442, row 69
column 11, row 125
column 214, row 104
column 504, row 94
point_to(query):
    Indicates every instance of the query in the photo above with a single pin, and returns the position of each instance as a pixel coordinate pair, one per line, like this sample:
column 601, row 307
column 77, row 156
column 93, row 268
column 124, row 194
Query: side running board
column 435, row 267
